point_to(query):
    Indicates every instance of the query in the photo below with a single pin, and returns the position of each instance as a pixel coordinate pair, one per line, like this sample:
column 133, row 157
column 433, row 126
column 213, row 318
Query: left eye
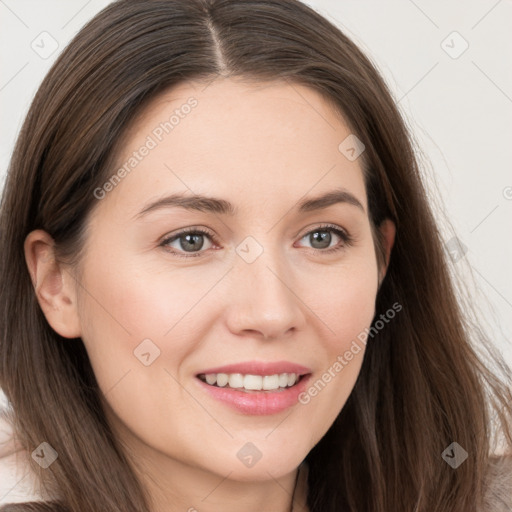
column 323, row 236
column 191, row 241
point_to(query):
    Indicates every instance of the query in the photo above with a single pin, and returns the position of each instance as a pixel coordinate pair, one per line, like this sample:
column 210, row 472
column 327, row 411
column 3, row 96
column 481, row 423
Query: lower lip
column 259, row 403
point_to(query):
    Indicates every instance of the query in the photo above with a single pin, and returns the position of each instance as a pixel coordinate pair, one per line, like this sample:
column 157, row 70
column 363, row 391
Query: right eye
column 190, row 240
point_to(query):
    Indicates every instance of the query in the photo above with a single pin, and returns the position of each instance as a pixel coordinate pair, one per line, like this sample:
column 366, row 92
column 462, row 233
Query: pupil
column 325, row 238
column 193, row 244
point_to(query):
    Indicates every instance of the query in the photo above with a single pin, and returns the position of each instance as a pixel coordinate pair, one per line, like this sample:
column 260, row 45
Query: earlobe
column 388, row 231
column 54, row 286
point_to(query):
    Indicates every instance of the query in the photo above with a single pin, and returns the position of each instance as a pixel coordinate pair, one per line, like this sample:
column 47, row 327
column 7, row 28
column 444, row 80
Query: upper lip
column 259, row 368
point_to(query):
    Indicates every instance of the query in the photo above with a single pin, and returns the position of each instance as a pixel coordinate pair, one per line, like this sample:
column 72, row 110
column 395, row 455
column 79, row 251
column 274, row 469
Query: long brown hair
column 423, row 383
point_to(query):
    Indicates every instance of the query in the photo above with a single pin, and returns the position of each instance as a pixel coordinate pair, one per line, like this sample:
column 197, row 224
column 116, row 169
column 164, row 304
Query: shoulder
column 18, row 483
column 498, row 494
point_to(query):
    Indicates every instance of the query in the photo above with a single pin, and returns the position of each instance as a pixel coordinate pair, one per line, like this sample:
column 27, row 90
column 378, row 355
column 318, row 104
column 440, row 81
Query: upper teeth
column 255, row 382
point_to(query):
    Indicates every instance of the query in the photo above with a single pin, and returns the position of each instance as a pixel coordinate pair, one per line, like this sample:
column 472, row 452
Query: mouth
column 253, row 394
column 248, row 383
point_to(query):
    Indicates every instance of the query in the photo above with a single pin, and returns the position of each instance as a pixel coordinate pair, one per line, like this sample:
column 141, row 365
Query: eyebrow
column 221, row 206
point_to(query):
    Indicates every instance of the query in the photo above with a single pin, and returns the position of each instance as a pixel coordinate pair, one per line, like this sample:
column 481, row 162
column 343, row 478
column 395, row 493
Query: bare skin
column 265, row 148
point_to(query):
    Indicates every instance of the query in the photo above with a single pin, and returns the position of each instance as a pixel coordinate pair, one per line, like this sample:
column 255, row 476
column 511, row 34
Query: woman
column 222, row 285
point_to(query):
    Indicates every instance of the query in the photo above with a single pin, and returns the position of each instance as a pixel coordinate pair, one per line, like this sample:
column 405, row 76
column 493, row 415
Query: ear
column 388, row 230
column 54, row 285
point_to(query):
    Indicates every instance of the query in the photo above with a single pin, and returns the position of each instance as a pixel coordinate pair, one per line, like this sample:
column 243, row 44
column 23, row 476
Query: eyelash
column 345, row 237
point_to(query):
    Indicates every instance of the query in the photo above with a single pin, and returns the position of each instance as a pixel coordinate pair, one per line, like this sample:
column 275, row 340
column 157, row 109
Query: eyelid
column 320, row 227
column 185, row 231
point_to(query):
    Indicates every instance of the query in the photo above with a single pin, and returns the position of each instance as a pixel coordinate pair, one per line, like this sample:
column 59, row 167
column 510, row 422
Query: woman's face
column 268, row 283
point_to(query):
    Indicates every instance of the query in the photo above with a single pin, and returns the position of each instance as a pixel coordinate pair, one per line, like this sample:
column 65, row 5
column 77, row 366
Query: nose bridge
column 263, row 298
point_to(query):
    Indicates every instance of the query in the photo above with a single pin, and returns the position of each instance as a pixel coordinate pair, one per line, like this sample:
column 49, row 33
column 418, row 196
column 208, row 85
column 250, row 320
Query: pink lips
column 258, row 402
column 259, row 368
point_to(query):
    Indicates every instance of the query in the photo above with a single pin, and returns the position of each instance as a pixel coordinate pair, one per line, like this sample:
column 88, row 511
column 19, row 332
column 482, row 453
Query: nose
column 264, row 298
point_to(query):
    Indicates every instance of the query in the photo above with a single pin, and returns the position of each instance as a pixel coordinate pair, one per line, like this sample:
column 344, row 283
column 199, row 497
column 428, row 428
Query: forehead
column 251, row 142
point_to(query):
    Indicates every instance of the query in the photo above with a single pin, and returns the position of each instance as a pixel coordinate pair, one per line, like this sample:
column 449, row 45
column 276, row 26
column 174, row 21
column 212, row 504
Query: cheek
column 124, row 305
column 346, row 309
column 350, row 304
column 343, row 298
column 137, row 332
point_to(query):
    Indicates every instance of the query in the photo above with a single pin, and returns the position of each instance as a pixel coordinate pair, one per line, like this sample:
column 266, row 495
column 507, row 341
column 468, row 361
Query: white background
column 459, row 109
